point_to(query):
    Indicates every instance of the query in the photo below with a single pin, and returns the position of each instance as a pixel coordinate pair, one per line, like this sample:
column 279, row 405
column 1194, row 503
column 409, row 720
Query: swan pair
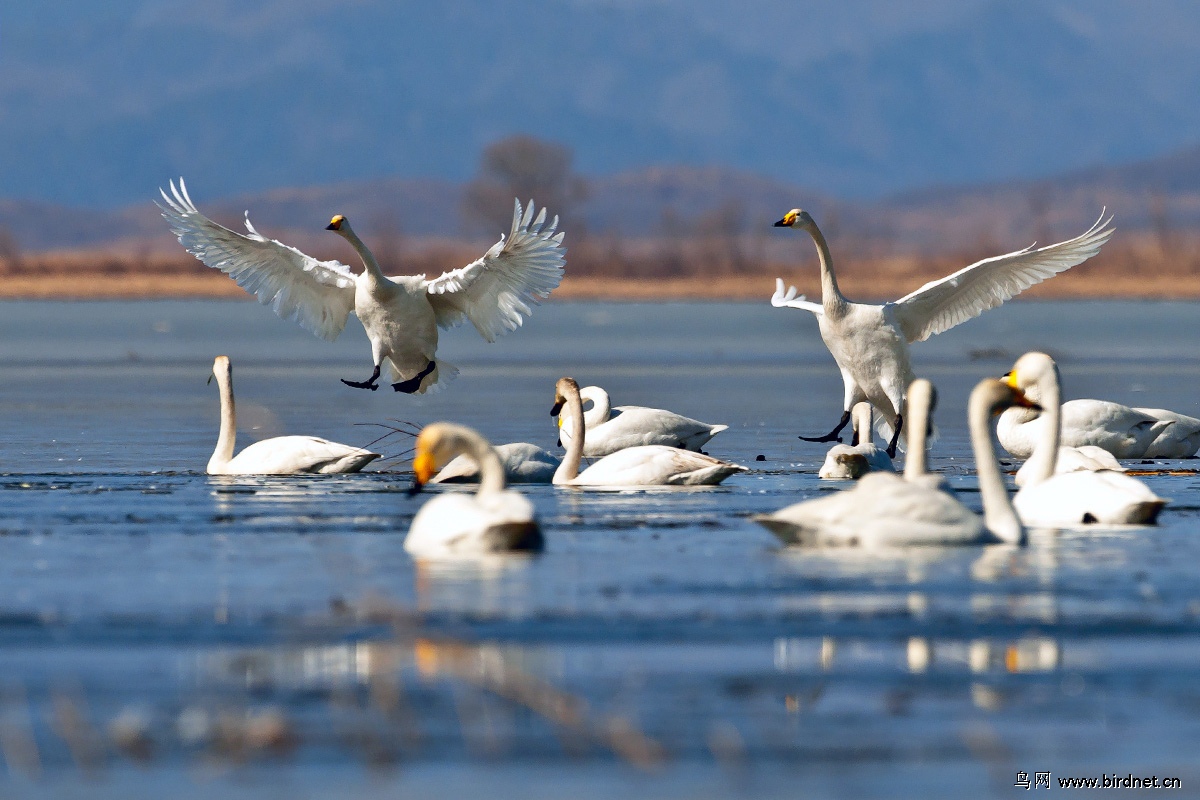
column 1053, row 498
column 283, row 455
column 870, row 342
column 852, row 461
column 400, row 314
column 631, row 426
column 884, row 509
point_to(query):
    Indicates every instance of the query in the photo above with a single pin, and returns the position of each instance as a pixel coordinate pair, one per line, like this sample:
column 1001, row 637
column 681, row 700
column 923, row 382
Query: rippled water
column 163, row 633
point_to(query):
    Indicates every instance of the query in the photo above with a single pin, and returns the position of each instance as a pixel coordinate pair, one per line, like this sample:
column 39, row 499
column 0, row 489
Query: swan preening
column 643, row 465
column 401, row 314
column 492, row 520
column 884, row 509
column 283, row 455
column 870, row 342
column 850, row 461
column 1052, row 499
column 632, row 426
column 523, row 463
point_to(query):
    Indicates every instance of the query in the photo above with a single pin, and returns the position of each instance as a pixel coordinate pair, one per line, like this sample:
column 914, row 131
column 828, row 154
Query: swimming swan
column 523, row 463
column 400, row 314
column 632, row 426
column 492, row 520
column 644, row 465
column 283, row 455
column 870, row 342
column 1086, row 457
column 884, row 509
column 1071, row 498
column 852, row 461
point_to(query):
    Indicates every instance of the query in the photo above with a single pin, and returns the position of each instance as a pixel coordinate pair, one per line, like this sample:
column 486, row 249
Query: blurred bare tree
column 10, row 250
column 525, row 168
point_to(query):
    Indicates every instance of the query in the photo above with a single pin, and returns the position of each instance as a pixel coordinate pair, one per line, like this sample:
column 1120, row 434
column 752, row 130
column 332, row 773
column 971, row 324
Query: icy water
column 167, row 634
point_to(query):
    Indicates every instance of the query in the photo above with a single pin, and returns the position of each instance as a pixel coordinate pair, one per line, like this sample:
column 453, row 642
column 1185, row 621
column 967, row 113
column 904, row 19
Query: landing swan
column 632, row 426
column 523, row 463
column 1076, row 459
column 492, row 520
column 1071, row 498
column 884, row 510
column 400, row 314
column 870, row 342
column 283, row 455
column 852, row 461
column 644, row 465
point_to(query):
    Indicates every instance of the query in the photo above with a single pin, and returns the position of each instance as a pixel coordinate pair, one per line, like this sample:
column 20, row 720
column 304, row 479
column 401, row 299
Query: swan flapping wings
column 318, row 295
column 940, row 305
column 495, row 291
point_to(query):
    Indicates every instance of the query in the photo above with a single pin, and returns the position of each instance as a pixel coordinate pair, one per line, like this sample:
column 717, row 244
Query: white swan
column 644, row 465
column 283, row 455
column 1179, row 439
column 870, row 342
column 523, row 463
column 492, row 520
column 884, row 509
column 632, row 426
column 400, row 314
column 852, row 461
column 1086, row 458
column 1071, row 498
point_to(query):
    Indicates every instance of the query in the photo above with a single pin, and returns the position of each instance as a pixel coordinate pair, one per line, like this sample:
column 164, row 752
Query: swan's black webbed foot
column 891, row 448
column 832, row 436
column 413, row 384
column 371, row 383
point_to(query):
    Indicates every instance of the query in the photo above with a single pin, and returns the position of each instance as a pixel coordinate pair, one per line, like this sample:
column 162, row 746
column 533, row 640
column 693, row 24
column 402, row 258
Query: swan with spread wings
column 401, row 314
column 870, row 342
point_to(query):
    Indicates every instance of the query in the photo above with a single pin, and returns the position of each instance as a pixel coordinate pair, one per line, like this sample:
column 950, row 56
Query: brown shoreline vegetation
column 1137, row 266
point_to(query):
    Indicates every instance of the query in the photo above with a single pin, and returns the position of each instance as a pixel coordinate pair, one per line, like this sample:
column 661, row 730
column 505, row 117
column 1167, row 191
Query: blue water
column 163, row 633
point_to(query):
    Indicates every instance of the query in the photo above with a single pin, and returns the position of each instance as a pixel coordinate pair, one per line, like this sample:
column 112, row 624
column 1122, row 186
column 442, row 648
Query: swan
column 1076, row 459
column 400, row 314
column 643, row 465
column 523, row 463
column 283, row 455
column 1179, row 439
column 1071, row 498
column 632, row 426
column 492, row 520
column 853, row 461
column 884, row 509
column 870, row 342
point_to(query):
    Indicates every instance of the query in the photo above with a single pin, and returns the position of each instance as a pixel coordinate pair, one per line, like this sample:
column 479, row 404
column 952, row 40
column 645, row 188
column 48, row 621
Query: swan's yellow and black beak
column 1010, row 380
column 335, row 224
column 788, row 220
column 556, row 409
column 1019, row 399
column 424, row 466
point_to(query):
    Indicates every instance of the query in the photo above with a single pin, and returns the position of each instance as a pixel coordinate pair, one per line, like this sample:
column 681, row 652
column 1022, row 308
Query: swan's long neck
column 1044, row 457
column 998, row 513
column 831, row 297
column 568, row 470
column 226, row 440
column 491, row 470
column 862, row 416
column 601, row 405
column 368, row 258
column 916, row 426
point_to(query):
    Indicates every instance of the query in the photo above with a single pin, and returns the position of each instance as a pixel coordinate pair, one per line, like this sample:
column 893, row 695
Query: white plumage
column 282, row 455
column 400, row 314
column 1123, row 431
column 870, row 342
column 1086, row 458
column 492, row 520
column 851, row 461
column 632, row 426
column 522, row 462
column 644, row 465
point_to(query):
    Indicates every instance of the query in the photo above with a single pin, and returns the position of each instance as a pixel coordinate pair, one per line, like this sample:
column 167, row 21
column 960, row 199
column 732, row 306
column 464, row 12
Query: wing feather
column 940, row 305
column 318, row 295
column 496, row 291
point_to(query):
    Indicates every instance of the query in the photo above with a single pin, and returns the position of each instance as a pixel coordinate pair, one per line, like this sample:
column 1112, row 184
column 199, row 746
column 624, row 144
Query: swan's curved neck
column 226, row 440
column 601, row 405
column 491, row 470
column 1044, row 458
column 998, row 513
column 832, row 299
column 916, row 426
column 862, row 416
column 572, row 410
column 368, row 258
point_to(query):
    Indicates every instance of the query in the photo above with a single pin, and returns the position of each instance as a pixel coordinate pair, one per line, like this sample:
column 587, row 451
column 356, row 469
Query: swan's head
column 436, row 445
column 222, row 368
column 796, row 218
column 338, row 224
column 1032, row 371
column 564, row 389
column 997, row 396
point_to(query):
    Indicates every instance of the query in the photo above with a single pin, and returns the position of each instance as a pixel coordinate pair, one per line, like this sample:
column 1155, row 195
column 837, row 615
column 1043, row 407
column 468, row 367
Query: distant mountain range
column 102, row 102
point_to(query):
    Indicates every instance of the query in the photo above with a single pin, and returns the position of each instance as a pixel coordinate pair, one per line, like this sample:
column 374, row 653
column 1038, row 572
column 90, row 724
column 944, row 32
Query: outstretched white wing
column 940, row 305
column 318, row 295
column 496, row 291
column 788, row 299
